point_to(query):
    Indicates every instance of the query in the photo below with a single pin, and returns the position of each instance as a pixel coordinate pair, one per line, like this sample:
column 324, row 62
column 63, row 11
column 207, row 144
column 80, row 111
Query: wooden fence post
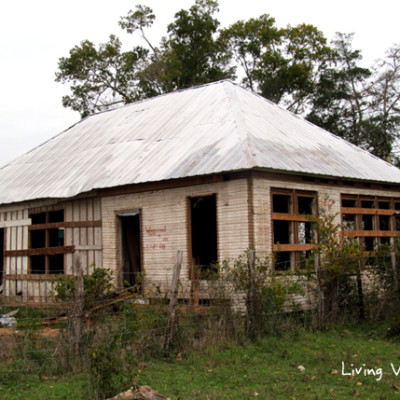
column 394, row 267
column 251, row 307
column 77, row 309
column 361, row 310
column 171, row 327
column 320, row 295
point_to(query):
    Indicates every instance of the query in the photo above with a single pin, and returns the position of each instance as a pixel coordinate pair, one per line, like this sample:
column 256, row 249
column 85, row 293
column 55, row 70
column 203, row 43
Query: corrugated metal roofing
column 209, row 129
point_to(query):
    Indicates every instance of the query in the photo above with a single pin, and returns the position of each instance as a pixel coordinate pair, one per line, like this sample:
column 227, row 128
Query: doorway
column 203, row 213
column 130, row 247
column 1, row 255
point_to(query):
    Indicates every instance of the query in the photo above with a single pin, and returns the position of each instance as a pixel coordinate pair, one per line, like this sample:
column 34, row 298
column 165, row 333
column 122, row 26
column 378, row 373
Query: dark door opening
column 130, row 247
column 204, row 234
column 1, row 255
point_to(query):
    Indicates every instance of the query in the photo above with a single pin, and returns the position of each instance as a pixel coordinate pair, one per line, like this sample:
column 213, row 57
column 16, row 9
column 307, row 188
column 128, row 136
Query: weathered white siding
column 165, row 226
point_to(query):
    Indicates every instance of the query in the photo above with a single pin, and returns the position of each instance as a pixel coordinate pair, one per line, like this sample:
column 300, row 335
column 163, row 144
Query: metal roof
column 209, row 129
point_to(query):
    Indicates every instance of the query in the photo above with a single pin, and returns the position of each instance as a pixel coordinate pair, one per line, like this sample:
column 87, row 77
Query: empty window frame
column 372, row 220
column 291, row 227
column 46, row 236
column 203, row 224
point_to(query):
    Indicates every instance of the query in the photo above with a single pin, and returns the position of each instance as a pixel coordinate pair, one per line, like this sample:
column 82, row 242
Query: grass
column 267, row 369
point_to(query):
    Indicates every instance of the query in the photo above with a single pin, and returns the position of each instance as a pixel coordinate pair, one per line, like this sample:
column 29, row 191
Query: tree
column 193, row 52
column 106, row 77
column 358, row 104
column 101, row 78
column 339, row 100
column 292, row 66
column 383, row 124
column 280, row 64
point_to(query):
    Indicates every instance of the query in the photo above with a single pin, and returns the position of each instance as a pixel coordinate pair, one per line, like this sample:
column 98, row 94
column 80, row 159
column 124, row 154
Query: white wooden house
column 212, row 171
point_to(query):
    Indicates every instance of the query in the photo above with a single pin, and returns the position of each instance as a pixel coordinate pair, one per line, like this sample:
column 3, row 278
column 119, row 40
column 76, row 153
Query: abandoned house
column 212, row 171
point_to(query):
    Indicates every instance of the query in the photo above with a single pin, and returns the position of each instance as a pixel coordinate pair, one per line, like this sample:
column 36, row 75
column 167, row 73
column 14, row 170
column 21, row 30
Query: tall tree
column 194, row 53
column 383, row 124
column 359, row 104
column 101, row 78
column 282, row 64
column 292, row 66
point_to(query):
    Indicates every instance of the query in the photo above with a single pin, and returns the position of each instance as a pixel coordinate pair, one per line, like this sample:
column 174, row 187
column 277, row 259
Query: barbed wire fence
column 115, row 327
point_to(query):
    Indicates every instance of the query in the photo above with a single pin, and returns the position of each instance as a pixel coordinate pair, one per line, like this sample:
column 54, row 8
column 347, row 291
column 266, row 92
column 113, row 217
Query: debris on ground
column 8, row 320
column 140, row 393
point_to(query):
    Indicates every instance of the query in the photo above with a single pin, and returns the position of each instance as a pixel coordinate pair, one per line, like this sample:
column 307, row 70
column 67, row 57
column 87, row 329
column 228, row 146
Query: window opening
column 281, row 203
column 349, row 222
column 367, row 204
column 384, row 223
column 397, row 221
column 38, row 264
column 305, row 205
column 374, row 219
column 47, row 236
column 368, row 222
column 293, row 232
column 305, row 232
column 282, row 232
column 282, row 261
column 349, row 203
column 203, row 212
column 369, row 243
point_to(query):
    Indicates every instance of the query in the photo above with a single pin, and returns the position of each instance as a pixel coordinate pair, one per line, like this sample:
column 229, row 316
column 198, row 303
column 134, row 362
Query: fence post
column 394, row 266
column 320, row 295
column 77, row 309
column 361, row 310
column 171, row 327
column 251, row 317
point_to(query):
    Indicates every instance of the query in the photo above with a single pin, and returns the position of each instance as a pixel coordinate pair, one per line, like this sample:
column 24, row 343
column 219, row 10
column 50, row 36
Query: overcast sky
column 34, row 34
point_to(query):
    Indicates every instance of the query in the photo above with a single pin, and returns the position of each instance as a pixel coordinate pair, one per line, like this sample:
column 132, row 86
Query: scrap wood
column 140, row 393
column 64, row 317
column 11, row 313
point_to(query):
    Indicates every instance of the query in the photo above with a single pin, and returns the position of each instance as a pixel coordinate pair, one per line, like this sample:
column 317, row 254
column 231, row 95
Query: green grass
column 267, row 369
column 43, row 388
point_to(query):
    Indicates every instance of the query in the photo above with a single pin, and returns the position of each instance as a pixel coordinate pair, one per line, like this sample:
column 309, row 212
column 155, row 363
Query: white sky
column 34, row 34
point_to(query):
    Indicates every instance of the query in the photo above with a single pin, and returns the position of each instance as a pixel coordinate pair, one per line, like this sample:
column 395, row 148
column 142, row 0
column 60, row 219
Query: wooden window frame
column 294, row 248
column 376, row 213
column 47, row 251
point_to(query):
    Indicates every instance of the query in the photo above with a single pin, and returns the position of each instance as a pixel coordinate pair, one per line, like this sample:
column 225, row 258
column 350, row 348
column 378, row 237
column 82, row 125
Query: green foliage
column 394, row 327
column 101, row 78
column 359, row 104
column 282, row 64
column 267, row 295
column 336, row 261
column 384, row 272
column 292, row 65
column 111, row 366
column 193, row 53
column 97, row 288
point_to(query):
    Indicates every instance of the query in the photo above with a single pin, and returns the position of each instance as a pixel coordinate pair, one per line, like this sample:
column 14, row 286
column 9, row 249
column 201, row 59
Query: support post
column 320, row 295
column 77, row 309
column 251, row 307
column 395, row 275
column 171, row 327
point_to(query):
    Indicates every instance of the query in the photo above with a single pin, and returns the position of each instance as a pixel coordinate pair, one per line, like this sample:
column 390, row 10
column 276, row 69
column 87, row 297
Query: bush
column 268, row 296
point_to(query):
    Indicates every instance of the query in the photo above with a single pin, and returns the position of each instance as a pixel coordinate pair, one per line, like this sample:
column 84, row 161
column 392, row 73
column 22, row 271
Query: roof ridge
column 240, row 123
